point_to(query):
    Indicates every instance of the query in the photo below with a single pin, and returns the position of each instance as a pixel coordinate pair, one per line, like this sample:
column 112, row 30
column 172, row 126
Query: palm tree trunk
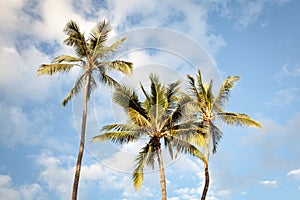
column 205, row 189
column 82, row 140
column 162, row 173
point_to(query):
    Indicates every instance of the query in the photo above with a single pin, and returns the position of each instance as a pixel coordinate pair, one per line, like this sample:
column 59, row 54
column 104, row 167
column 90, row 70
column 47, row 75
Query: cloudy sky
column 257, row 40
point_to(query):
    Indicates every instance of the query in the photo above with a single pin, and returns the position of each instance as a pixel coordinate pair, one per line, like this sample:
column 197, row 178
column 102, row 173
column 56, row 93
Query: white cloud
column 24, row 192
column 294, row 173
column 269, row 183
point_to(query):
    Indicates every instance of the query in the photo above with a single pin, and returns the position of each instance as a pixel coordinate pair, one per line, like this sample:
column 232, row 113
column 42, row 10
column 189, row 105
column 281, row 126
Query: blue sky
column 257, row 40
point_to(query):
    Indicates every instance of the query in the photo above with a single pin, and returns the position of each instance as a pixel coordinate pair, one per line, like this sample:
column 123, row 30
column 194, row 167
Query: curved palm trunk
column 205, row 189
column 82, row 141
column 162, row 173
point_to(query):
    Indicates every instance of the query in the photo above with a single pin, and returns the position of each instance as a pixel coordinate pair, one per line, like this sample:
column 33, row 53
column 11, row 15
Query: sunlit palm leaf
column 107, row 80
column 187, row 148
column 51, row 69
column 119, row 65
column 66, row 58
column 145, row 157
column 119, row 137
column 99, row 35
column 216, row 135
column 224, row 93
column 101, row 52
column 238, row 119
column 76, row 89
column 76, row 39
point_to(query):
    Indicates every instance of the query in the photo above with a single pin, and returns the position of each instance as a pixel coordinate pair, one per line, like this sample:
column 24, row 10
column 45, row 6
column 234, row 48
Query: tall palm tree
column 92, row 57
column 209, row 108
column 159, row 117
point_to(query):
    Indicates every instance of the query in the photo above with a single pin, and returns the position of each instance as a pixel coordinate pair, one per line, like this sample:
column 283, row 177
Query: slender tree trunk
column 205, row 189
column 162, row 173
column 206, row 172
column 82, row 140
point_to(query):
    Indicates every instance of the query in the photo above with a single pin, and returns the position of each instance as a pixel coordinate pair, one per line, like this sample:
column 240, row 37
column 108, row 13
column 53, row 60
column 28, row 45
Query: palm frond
column 201, row 88
column 224, row 92
column 185, row 147
column 106, row 79
column 66, row 58
column 118, row 137
column 99, row 35
column 145, row 157
column 209, row 94
column 138, row 118
column 147, row 102
column 193, row 89
column 92, row 86
column 102, row 52
column 76, row 89
column 216, row 135
column 129, row 101
column 168, row 145
column 171, row 93
column 238, row 119
column 51, row 69
column 76, row 39
column 119, row 65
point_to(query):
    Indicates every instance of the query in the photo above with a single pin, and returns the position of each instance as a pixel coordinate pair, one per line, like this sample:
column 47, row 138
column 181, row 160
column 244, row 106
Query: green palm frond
column 168, row 144
column 145, row 157
column 129, row 101
column 119, row 65
column 138, row 118
column 121, row 127
column 107, row 80
column 182, row 108
column 224, row 92
column 238, row 119
column 99, row 35
column 76, row 89
column 193, row 89
column 147, row 103
column 51, row 69
column 216, row 135
column 171, row 93
column 76, row 39
column 201, row 88
column 209, row 94
column 92, row 86
column 101, row 52
column 118, row 137
column 157, row 91
column 66, row 58
column 185, row 147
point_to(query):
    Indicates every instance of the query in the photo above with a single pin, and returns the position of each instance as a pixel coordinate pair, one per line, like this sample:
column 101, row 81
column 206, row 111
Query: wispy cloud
column 288, row 71
column 246, row 13
column 269, row 183
column 284, row 97
column 294, row 173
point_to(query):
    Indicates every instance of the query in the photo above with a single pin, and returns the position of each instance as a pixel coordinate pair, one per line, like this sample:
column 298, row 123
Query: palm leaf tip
column 239, row 119
column 138, row 178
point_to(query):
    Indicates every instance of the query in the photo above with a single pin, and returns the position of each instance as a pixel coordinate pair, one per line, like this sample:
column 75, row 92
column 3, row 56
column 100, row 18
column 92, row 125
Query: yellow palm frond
column 50, row 69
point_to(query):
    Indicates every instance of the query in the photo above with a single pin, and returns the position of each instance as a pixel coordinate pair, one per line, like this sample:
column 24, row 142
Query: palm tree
column 159, row 117
column 92, row 58
column 209, row 107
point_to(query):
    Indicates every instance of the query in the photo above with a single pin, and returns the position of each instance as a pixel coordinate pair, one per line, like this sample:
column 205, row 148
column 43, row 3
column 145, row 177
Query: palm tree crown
column 91, row 56
column 159, row 116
